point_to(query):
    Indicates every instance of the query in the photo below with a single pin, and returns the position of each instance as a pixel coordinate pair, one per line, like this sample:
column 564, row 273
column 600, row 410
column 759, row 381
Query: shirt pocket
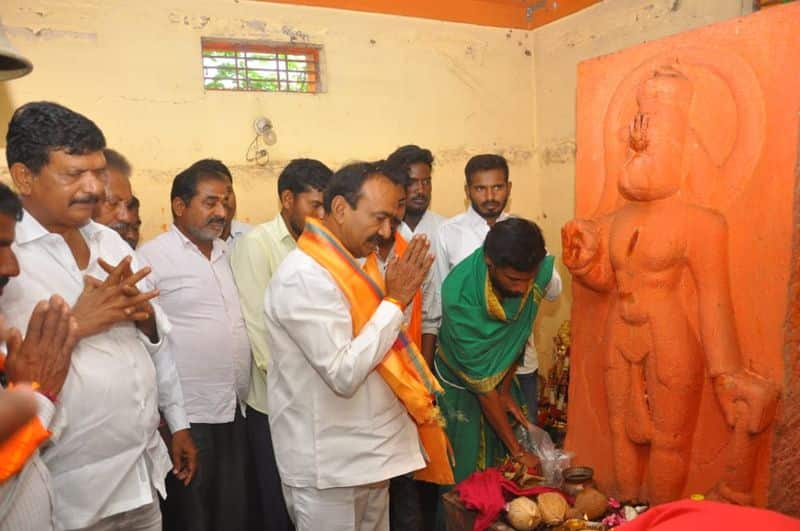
column 176, row 292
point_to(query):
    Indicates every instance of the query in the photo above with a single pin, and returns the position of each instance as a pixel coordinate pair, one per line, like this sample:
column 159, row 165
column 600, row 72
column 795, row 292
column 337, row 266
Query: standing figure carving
column 656, row 362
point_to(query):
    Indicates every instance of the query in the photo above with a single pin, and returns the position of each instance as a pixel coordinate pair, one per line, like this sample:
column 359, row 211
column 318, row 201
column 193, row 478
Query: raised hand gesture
column 45, row 353
column 405, row 274
column 114, row 300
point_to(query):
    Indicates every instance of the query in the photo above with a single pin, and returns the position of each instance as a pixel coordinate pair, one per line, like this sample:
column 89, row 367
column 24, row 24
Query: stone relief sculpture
column 656, row 356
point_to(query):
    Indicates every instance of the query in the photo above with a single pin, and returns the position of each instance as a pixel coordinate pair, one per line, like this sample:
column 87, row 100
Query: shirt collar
column 283, row 229
column 29, row 229
column 475, row 219
column 218, row 247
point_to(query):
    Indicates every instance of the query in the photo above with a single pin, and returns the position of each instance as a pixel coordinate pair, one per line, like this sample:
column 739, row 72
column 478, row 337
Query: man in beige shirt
column 255, row 258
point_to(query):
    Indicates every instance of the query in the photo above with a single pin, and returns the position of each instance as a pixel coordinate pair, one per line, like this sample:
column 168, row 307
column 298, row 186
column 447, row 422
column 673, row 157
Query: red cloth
column 697, row 515
column 487, row 493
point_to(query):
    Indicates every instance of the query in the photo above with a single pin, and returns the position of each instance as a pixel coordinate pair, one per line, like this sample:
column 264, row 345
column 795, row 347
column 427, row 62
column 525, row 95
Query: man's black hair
column 483, row 163
column 213, row 166
column 515, row 242
column 349, row 180
column 10, row 205
column 185, row 183
column 303, row 175
column 117, row 161
column 40, row 127
column 405, row 156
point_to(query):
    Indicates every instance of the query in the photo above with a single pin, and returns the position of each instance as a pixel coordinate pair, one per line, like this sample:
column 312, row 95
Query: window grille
column 255, row 66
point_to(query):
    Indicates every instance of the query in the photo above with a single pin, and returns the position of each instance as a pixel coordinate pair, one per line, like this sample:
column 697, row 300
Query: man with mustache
column 254, row 259
column 191, row 269
column 112, row 210
column 405, row 494
column 105, row 456
column 488, row 189
column 347, row 403
column 234, row 229
column 417, row 163
column 489, row 303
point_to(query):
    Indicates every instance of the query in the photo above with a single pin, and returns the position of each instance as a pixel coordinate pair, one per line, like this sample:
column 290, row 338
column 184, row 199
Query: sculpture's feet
column 723, row 493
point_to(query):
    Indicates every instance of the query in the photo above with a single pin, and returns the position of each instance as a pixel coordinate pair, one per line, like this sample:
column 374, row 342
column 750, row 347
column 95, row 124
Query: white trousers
column 363, row 508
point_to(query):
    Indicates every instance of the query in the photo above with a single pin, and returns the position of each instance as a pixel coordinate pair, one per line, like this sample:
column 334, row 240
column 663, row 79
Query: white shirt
column 459, row 237
column 334, row 420
column 429, row 225
column 208, row 339
column 431, row 302
column 105, row 454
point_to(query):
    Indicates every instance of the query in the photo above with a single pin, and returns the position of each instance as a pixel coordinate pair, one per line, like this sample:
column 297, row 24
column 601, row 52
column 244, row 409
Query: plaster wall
column 135, row 68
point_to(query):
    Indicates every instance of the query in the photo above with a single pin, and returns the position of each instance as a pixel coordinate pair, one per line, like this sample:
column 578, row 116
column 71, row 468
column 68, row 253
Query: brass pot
column 577, row 478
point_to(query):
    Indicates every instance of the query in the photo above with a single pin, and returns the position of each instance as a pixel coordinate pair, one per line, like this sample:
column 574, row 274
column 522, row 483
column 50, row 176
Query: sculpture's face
column 658, row 139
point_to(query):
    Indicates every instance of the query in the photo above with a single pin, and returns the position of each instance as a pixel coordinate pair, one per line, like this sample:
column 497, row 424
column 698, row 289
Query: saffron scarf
column 414, row 329
column 481, row 337
column 403, row 368
column 479, row 342
column 17, row 449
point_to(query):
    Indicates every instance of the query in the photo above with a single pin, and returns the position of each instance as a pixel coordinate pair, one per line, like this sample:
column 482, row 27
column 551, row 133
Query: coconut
column 523, row 514
column 553, row 507
column 591, row 502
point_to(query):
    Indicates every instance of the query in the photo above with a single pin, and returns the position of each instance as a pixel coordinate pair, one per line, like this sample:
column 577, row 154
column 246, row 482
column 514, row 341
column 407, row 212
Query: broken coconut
column 523, row 514
column 553, row 507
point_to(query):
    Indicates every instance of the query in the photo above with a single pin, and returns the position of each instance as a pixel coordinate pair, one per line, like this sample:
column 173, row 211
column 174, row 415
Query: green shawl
column 481, row 337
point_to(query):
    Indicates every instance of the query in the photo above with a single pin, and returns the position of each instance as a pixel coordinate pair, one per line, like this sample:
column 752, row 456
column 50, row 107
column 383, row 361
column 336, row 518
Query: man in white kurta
column 105, row 456
column 338, row 430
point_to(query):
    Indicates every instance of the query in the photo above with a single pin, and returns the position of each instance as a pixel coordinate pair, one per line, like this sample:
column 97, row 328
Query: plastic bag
column 553, row 460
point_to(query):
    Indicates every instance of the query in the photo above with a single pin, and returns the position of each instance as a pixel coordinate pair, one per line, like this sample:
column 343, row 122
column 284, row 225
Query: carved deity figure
column 655, row 362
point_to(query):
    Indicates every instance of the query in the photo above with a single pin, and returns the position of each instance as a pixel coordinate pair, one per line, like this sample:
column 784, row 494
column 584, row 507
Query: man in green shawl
column 489, row 303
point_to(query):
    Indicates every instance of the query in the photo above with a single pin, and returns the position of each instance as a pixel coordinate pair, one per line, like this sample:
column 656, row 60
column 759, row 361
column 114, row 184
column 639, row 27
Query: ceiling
column 522, row 14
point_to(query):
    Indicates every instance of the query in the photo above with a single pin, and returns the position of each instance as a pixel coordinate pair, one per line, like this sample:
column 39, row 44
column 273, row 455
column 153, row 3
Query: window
column 255, row 66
